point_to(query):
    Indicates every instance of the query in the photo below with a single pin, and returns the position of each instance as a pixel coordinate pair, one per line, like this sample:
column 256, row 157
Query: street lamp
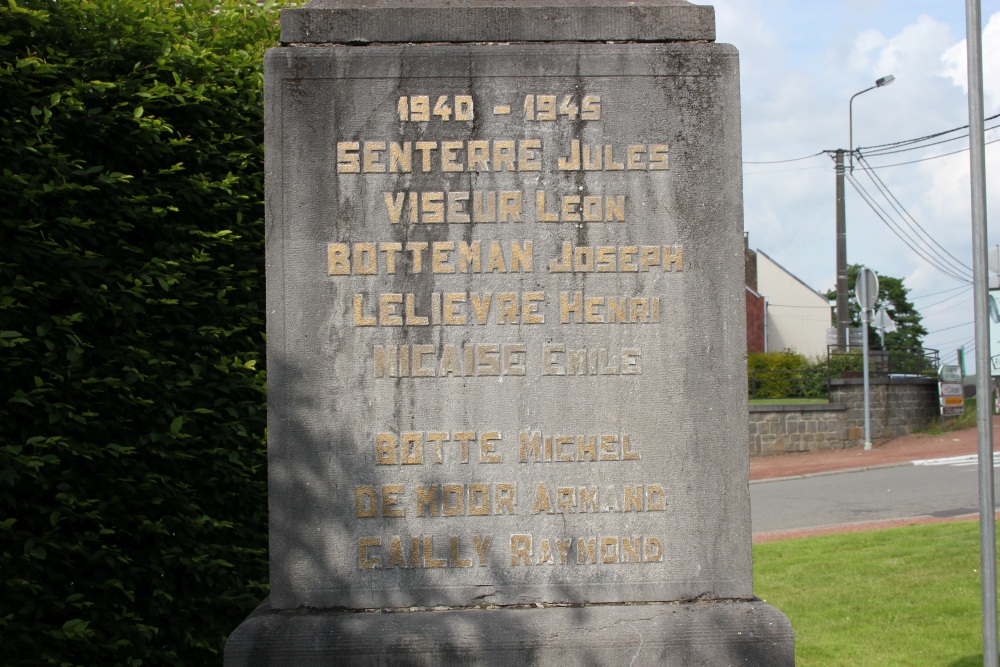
column 884, row 81
column 843, row 310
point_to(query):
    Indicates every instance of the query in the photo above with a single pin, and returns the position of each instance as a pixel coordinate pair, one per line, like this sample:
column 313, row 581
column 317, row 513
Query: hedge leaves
column 132, row 418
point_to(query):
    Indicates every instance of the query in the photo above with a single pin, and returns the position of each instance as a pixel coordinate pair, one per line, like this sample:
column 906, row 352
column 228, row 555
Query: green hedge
column 785, row 375
column 132, row 419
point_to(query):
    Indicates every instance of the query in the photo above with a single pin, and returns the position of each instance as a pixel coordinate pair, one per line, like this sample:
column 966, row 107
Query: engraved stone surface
column 506, row 341
column 502, row 350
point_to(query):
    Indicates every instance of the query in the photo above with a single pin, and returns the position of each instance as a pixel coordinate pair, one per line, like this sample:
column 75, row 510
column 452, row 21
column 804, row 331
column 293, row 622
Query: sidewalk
column 898, row 451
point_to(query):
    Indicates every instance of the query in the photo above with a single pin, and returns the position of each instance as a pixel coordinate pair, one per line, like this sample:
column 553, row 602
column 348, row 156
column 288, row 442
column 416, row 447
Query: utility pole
column 843, row 310
column 843, row 314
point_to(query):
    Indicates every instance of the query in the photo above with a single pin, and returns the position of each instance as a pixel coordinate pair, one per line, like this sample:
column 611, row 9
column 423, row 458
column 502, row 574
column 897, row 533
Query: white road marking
column 958, row 461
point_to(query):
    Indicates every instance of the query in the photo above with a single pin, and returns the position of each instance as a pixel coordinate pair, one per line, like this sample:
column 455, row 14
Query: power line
column 938, row 303
column 963, row 304
column 964, row 324
column 932, row 157
column 886, row 151
column 894, row 227
column 955, row 263
column 797, row 159
column 880, row 149
column 951, row 289
column 929, row 136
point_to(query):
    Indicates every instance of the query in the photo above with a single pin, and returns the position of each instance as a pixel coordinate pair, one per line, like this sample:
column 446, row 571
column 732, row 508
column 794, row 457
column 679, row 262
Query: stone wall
column 898, row 407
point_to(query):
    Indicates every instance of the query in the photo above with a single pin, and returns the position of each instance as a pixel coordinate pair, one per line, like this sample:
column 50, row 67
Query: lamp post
column 884, row 81
column 843, row 310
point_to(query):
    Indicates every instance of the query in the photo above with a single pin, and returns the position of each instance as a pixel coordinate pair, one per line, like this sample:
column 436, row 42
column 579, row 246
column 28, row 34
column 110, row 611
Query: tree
column 132, row 418
column 892, row 294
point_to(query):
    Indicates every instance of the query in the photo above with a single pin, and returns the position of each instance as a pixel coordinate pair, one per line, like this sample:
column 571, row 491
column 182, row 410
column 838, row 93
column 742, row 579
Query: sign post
column 866, row 291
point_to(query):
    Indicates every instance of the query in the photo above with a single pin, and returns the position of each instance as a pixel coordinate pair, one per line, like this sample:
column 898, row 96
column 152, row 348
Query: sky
column 801, row 61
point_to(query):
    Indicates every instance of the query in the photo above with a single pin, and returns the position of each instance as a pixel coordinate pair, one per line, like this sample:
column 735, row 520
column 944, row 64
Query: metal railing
column 883, row 362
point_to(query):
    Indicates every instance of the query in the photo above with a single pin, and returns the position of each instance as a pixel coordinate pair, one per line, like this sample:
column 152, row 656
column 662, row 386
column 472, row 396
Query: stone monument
column 507, row 415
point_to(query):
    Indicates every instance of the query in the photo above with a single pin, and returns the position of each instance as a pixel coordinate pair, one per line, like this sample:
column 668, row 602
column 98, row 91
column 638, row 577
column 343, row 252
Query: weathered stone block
column 505, row 337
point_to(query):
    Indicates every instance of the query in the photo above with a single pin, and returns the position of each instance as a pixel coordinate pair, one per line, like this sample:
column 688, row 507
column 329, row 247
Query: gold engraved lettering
column 633, row 498
column 505, row 499
column 446, row 257
column 574, row 308
column 613, row 259
column 487, row 447
column 385, row 449
column 348, row 160
column 421, row 552
column 479, row 500
column 427, row 504
column 565, row 499
column 546, row 553
column 653, row 551
column 365, row 561
column 609, row 550
column 455, row 309
column 656, row 499
column 455, row 561
column 520, row 550
column 365, row 502
column 631, row 549
column 557, row 359
column 588, row 499
column 482, row 546
column 360, row 319
column 453, row 499
column 390, row 498
column 396, row 558
column 579, row 208
column 607, row 157
column 542, row 503
column 429, row 560
column 446, row 156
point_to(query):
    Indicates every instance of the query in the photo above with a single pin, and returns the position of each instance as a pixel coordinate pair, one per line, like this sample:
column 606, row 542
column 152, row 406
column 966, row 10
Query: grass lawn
column 902, row 596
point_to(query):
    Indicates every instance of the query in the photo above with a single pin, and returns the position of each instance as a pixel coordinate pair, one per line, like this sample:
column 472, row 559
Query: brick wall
column 898, row 407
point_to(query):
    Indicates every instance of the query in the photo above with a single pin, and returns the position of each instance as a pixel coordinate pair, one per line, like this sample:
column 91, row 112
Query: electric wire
column 916, row 140
column 960, row 304
column 925, row 296
column 955, row 263
column 932, row 157
column 797, row 159
column 869, row 151
column 883, row 216
column 937, row 303
column 963, row 324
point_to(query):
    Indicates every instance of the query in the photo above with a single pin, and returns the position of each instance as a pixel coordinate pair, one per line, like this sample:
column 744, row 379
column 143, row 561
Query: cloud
column 801, row 63
column 955, row 63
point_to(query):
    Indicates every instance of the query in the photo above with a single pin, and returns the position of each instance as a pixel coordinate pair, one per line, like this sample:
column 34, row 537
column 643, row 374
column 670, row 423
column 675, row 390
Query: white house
column 796, row 316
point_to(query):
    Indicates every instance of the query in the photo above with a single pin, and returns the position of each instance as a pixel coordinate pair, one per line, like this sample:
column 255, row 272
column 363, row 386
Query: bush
column 132, row 487
column 785, row 375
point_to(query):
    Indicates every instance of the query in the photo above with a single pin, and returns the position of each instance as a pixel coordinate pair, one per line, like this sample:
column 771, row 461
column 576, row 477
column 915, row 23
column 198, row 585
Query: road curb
column 858, row 527
column 824, row 473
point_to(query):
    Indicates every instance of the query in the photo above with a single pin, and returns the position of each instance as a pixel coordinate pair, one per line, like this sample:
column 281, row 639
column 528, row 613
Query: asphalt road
column 945, row 488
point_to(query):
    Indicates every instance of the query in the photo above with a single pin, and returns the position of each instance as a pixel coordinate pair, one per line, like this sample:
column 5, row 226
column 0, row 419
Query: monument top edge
column 463, row 21
column 465, row 4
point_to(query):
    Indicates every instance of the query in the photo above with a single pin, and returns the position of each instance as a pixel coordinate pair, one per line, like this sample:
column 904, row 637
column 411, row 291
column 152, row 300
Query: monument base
column 684, row 634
